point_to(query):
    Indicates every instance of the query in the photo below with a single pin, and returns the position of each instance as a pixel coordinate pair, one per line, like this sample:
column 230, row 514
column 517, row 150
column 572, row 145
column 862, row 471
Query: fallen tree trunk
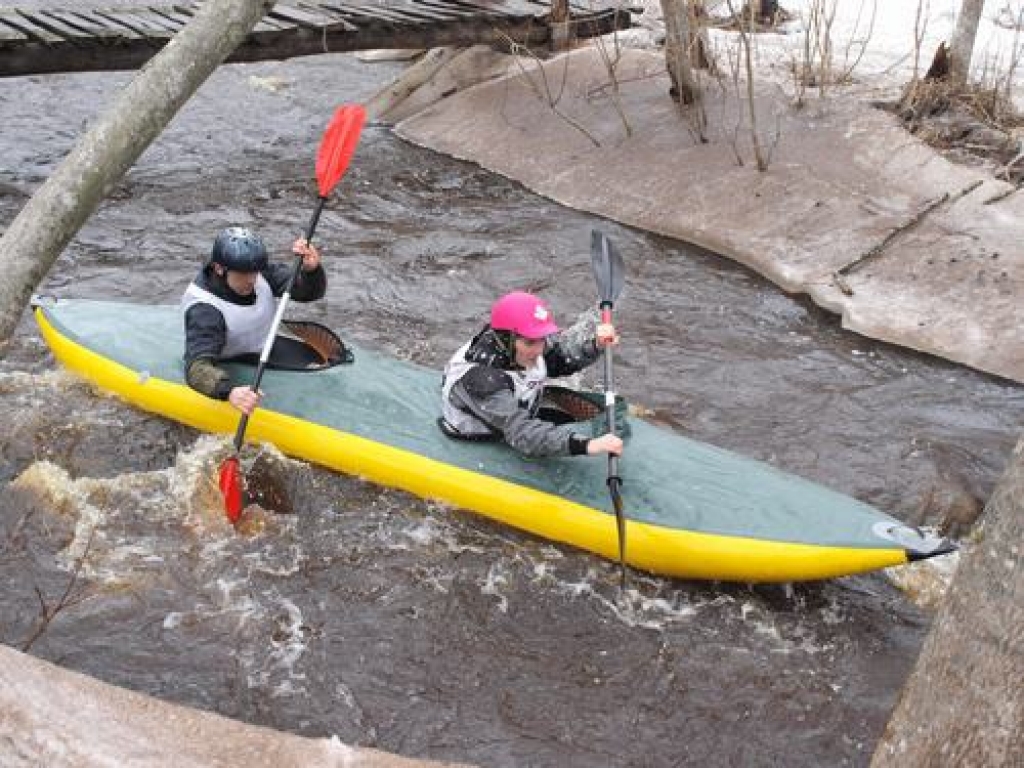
column 58, row 718
column 65, row 201
column 405, row 84
column 964, row 702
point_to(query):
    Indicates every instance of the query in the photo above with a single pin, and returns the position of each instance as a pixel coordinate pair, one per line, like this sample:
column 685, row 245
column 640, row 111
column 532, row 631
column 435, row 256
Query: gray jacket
column 486, row 403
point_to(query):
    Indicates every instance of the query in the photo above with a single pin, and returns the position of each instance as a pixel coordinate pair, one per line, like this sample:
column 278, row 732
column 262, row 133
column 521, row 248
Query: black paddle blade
column 620, row 523
column 609, row 270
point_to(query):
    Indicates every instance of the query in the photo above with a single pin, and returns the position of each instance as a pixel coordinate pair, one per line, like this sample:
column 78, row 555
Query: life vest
column 248, row 325
column 528, row 386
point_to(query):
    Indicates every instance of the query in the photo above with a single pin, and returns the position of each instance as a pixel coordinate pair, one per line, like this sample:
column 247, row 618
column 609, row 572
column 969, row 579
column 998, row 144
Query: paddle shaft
column 282, row 305
column 609, row 272
column 609, row 394
column 614, row 481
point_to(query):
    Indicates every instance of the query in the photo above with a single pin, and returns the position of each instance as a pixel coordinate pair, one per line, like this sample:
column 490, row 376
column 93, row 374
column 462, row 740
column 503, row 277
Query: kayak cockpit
column 302, row 345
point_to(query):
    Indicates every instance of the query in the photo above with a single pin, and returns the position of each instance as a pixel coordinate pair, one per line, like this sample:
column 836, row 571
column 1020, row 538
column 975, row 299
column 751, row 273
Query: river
column 393, row 622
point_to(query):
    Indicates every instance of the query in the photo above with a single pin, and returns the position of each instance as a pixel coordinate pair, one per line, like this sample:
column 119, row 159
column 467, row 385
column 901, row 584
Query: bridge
column 44, row 41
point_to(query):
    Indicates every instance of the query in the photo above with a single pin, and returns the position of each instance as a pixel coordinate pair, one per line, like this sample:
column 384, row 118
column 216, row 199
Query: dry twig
column 541, row 87
column 68, row 598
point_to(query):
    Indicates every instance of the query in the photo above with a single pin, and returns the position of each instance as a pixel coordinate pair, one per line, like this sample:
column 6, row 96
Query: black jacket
column 206, row 331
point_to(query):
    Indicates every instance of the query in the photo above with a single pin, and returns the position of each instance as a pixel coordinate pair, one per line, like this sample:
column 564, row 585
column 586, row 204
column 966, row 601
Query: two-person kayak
column 693, row 510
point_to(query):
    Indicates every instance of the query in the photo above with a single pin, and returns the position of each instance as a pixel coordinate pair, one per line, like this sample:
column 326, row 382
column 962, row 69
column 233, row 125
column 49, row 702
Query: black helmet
column 239, row 249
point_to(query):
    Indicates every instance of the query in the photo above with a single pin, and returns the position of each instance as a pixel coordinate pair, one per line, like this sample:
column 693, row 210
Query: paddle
column 610, row 273
column 332, row 159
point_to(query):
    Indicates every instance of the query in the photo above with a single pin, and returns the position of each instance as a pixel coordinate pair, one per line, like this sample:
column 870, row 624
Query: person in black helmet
column 229, row 308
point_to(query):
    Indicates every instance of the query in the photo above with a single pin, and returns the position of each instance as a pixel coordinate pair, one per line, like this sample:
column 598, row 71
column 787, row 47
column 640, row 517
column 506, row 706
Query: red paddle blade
column 231, row 488
column 338, row 145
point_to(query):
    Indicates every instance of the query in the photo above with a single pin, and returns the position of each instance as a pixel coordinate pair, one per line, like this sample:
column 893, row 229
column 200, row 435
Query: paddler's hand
column 244, row 399
column 310, row 255
column 608, row 443
column 606, row 335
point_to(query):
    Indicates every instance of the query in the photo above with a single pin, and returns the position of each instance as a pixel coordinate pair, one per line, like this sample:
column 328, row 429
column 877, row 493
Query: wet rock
column 390, row 54
column 267, row 484
column 950, row 507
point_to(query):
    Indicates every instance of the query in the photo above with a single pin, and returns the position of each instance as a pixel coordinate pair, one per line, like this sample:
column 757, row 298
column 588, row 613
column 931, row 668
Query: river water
column 387, row 620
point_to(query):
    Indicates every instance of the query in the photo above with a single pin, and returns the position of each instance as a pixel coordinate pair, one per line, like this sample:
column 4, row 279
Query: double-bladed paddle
column 332, row 159
column 610, row 274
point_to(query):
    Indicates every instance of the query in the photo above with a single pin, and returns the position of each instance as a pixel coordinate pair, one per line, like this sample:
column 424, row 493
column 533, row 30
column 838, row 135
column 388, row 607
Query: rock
column 390, row 54
column 950, row 507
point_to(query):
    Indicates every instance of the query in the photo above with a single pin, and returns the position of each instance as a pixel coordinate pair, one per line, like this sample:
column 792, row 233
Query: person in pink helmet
column 492, row 385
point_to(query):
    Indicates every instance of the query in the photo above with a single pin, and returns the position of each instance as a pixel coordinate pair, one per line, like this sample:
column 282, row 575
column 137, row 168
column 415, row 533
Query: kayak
column 693, row 511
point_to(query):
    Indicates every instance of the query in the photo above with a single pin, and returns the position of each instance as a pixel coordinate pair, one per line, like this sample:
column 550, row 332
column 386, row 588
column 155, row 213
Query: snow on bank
column 877, row 36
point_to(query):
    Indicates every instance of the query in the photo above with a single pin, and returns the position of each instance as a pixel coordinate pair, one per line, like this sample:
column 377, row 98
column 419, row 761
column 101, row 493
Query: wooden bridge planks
column 76, row 39
column 24, row 23
column 310, row 18
column 184, row 14
column 430, row 12
column 89, row 25
column 143, row 22
column 57, row 26
column 365, row 15
column 10, row 35
column 485, row 9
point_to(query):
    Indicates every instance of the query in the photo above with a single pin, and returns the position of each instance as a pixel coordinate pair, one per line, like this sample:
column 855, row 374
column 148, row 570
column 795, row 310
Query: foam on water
column 434, row 529
column 648, row 602
column 121, row 524
column 104, row 556
column 23, row 384
column 187, row 493
column 494, row 581
column 288, row 641
column 927, row 581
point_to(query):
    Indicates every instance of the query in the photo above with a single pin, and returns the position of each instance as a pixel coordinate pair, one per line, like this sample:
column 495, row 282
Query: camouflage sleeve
column 571, row 351
column 205, row 376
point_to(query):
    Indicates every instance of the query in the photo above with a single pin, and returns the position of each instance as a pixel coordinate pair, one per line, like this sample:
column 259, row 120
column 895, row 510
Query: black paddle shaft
column 286, row 295
column 609, row 272
column 614, row 480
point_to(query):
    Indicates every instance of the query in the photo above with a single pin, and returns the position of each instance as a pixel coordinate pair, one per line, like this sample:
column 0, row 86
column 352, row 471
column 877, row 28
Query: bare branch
column 744, row 33
column 610, row 63
column 68, row 598
column 541, row 87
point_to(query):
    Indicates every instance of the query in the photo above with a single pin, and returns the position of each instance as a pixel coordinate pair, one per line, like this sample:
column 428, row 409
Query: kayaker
column 492, row 385
column 229, row 308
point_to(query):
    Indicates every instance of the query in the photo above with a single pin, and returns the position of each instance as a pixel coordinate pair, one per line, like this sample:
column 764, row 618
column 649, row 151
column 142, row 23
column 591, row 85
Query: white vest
column 528, row 385
column 248, row 325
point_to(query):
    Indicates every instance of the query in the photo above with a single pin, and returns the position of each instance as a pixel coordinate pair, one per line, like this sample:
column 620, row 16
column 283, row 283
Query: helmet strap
column 507, row 340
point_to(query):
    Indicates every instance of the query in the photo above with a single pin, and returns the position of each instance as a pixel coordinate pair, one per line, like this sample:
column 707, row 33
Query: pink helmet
column 523, row 314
